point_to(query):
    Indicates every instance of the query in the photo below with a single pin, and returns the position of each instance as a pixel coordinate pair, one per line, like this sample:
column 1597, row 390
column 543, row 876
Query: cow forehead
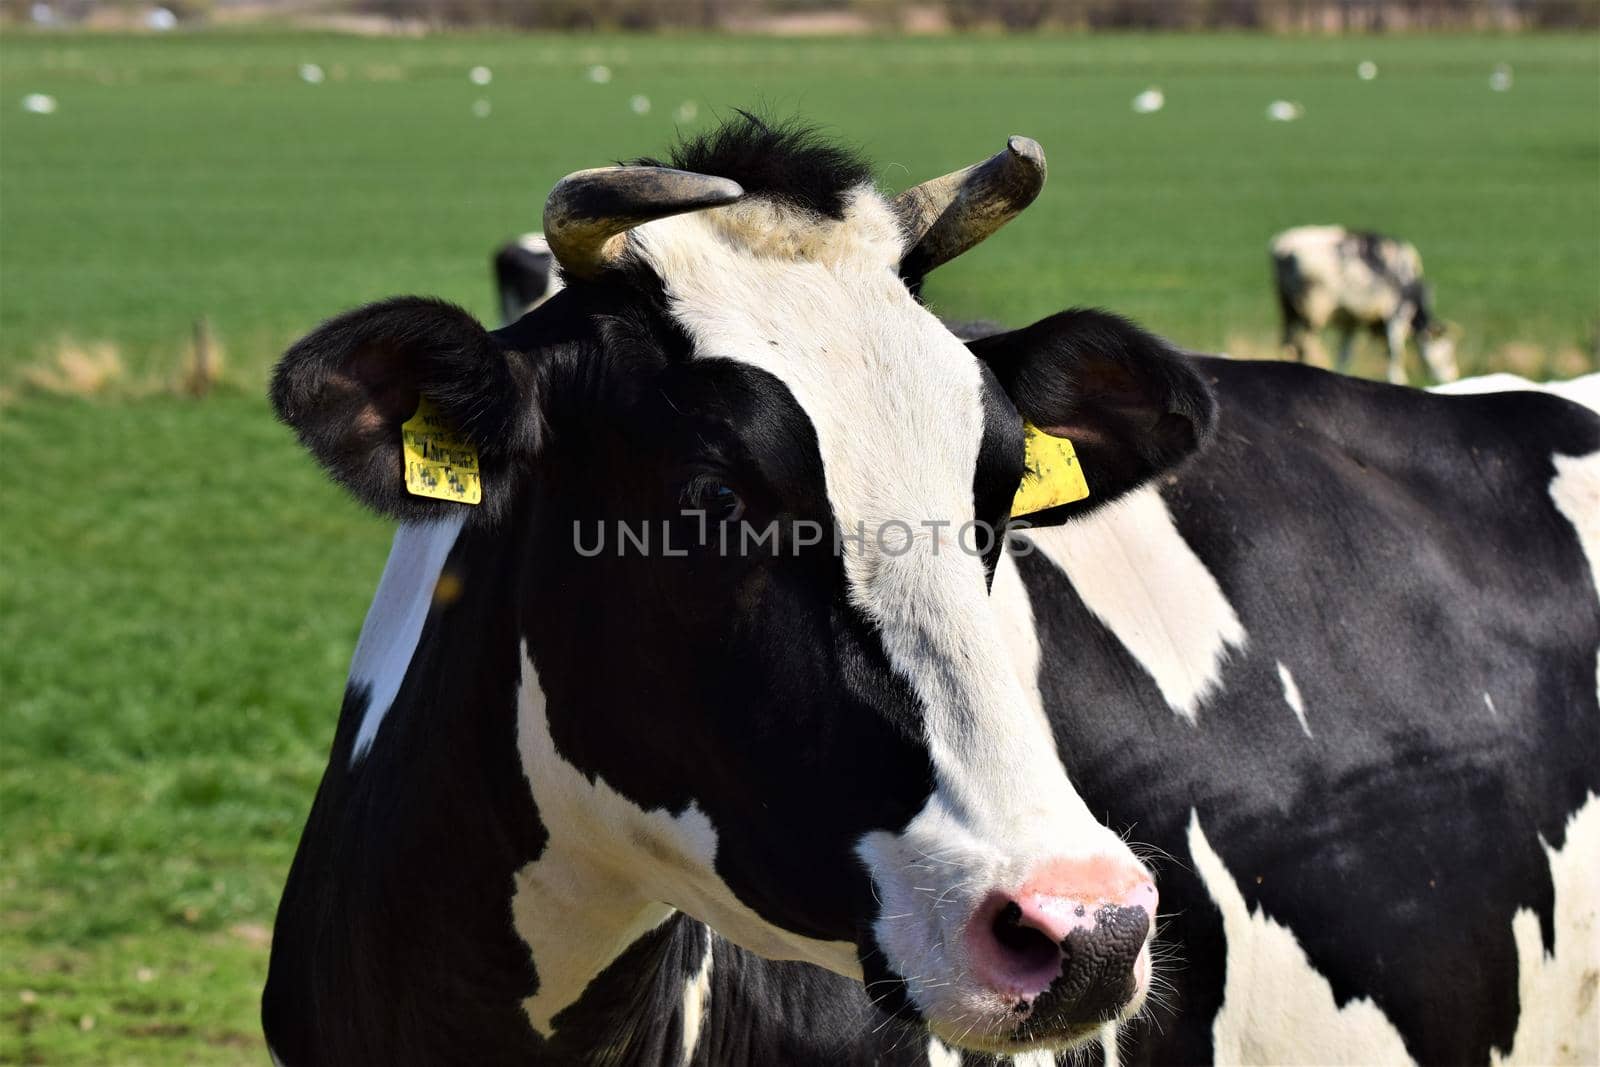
column 894, row 397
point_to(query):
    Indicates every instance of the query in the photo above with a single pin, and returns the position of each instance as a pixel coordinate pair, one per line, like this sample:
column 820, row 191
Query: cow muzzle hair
column 1010, row 953
column 1068, row 950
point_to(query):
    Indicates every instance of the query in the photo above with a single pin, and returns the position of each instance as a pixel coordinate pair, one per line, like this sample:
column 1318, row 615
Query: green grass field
column 180, row 589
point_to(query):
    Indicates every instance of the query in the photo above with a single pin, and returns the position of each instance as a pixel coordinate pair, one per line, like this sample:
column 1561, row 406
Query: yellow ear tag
column 1053, row 475
column 440, row 463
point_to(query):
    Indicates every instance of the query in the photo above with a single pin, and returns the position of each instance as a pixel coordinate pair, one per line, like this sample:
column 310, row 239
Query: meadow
column 180, row 589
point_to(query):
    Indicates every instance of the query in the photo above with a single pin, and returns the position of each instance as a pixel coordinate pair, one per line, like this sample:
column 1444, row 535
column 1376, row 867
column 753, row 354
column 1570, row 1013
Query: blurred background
column 185, row 189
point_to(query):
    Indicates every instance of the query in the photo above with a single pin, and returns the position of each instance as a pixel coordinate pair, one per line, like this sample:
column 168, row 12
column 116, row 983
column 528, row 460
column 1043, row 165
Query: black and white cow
column 858, row 799
column 1352, row 280
column 525, row 276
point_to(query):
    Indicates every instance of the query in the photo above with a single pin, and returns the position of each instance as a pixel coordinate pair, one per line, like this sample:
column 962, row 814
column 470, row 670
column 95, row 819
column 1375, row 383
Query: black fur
column 786, row 161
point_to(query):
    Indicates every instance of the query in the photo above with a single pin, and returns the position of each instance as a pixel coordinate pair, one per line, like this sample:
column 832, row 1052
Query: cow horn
column 589, row 212
column 946, row 216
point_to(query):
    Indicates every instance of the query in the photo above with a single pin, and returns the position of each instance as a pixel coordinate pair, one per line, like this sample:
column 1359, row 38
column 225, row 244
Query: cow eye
column 714, row 497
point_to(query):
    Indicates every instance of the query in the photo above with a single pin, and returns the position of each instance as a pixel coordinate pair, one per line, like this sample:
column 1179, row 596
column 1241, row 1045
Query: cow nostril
column 1030, row 948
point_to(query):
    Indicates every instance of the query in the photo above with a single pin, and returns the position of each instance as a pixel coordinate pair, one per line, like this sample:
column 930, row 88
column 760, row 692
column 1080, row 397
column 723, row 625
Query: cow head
column 737, row 481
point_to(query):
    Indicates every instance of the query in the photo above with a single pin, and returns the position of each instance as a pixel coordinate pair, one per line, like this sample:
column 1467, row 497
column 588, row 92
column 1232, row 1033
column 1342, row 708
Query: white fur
column 894, row 398
column 1291, row 696
column 394, row 620
column 1559, row 1023
column 942, row 1055
column 535, row 243
column 1583, row 390
column 697, row 1000
column 1576, row 492
column 612, row 871
column 1110, row 1051
column 1139, row 577
column 1276, row 1008
column 1040, row 1058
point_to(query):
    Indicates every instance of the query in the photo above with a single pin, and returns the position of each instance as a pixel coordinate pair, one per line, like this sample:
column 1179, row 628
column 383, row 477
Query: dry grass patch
column 78, row 369
column 1536, row 362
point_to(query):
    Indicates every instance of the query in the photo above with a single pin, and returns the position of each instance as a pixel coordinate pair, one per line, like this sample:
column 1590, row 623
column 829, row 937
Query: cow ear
column 348, row 386
column 1131, row 404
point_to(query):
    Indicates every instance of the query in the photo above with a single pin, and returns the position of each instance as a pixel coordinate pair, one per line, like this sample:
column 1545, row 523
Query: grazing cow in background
column 839, row 799
column 524, row 276
column 1349, row 279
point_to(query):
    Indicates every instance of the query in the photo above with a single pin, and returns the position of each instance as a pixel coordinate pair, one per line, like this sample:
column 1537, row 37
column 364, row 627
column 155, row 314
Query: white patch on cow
column 1583, row 390
column 697, row 999
column 1038, row 1058
column 1276, row 1008
column 942, row 1055
column 1559, row 1023
column 1291, row 695
column 394, row 620
column 1488, row 702
column 1013, row 612
column 611, row 871
column 1576, row 492
column 1136, row 573
column 1110, row 1051
column 896, row 403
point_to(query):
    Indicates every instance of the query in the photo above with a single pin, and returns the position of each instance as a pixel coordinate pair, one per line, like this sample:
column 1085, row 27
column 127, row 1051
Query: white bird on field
column 1149, row 101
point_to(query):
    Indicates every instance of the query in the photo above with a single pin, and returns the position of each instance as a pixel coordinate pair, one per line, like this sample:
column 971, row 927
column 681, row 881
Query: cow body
column 606, row 808
column 1328, row 275
column 1393, row 877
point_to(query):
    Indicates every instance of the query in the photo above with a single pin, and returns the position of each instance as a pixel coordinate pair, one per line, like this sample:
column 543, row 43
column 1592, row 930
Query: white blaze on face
column 895, row 400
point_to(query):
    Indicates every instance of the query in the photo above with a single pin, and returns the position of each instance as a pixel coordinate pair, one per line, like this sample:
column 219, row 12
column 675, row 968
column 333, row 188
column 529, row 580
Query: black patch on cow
column 1370, row 247
column 1398, row 551
column 788, row 161
column 1290, row 286
column 1417, row 295
column 393, row 941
